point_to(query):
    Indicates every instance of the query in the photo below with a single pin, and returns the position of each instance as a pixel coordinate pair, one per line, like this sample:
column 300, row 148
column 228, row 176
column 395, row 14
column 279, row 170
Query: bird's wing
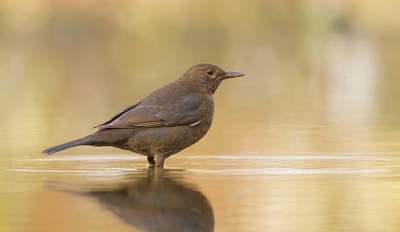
column 117, row 115
column 157, row 113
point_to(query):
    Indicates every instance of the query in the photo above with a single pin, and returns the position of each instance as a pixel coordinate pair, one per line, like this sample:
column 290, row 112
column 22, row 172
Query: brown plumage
column 167, row 121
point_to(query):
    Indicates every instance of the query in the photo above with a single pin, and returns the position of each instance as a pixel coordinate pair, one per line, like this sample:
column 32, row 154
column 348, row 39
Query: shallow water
column 246, row 192
column 308, row 140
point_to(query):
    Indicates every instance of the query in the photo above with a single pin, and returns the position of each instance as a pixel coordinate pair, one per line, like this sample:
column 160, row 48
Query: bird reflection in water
column 155, row 201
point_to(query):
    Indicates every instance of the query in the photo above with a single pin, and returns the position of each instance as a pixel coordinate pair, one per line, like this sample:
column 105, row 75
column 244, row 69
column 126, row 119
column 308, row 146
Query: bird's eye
column 210, row 72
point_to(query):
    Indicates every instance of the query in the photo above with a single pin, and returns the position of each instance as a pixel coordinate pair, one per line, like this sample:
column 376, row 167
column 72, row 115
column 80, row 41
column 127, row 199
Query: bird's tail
column 100, row 138
column 74, row 143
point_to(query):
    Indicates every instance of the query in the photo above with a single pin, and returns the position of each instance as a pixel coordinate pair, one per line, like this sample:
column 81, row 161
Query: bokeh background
column 322, row 77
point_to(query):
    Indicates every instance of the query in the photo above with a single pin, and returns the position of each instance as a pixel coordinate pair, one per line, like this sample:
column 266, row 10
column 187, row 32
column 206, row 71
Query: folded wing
column 173, row 112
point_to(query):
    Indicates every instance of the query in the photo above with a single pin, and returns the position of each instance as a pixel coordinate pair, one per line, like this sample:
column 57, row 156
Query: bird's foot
column 155, row 166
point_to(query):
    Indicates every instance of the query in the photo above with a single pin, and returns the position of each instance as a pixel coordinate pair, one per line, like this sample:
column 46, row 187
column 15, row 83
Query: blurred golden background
column 322, row 78
column 320, row 75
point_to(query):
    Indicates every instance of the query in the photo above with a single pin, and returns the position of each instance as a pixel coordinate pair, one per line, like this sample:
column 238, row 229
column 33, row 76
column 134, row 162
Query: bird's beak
column 233, row 74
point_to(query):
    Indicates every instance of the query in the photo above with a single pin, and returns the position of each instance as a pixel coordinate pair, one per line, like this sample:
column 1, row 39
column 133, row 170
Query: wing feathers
column 146, row 114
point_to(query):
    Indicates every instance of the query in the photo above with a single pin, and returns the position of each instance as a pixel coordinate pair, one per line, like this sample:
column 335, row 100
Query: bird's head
column 207, row 77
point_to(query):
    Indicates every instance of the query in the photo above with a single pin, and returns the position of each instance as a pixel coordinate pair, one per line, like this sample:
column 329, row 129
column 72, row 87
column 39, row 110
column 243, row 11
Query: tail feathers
column 74, row 143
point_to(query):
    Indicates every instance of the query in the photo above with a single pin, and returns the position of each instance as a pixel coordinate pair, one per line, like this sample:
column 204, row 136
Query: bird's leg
column 150, row 159
column 159, row 160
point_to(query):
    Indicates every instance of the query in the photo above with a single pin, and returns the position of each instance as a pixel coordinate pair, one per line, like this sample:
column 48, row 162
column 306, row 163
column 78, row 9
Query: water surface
column 246, row 192
column 308, row 140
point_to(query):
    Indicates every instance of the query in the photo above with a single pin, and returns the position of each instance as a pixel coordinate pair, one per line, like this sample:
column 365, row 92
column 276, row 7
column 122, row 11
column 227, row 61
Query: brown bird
column 167, row 121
